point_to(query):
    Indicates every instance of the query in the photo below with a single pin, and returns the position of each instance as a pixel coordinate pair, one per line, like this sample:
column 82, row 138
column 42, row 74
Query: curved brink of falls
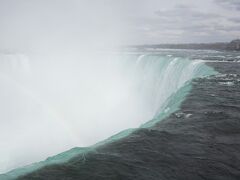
column 157, row 85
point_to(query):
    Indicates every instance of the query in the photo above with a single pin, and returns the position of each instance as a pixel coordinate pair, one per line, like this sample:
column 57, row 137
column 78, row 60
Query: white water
column 51, row 104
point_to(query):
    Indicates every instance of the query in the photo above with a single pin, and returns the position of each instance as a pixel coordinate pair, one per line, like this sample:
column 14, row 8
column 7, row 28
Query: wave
column 64, row 103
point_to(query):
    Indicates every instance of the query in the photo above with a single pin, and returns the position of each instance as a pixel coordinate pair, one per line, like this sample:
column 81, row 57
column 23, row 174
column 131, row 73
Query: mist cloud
column 53, row 80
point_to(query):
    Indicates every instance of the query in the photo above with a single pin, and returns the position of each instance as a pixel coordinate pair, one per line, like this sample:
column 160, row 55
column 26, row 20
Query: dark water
column 200, row 141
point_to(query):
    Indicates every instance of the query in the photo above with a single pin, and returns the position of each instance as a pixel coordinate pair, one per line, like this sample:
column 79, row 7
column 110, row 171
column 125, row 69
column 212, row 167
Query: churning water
column 51, row 104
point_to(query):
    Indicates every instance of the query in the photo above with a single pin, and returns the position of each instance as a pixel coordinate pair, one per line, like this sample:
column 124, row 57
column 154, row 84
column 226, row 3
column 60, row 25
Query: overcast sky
column 180, row 21
column 32, row 23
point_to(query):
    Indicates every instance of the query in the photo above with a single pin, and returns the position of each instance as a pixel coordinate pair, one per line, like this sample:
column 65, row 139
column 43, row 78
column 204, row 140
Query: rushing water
column 60, row 104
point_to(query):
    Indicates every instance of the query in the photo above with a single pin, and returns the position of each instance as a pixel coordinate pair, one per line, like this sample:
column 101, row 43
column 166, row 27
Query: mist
column 62, row 85
column 49, row 105
column 56, row 91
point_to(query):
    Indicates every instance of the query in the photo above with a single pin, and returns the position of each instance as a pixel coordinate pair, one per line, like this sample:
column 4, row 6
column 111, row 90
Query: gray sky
column 33, row 24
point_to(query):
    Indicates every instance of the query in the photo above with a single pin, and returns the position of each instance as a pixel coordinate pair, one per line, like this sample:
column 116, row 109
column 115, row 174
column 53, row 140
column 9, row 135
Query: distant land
column 229, row 46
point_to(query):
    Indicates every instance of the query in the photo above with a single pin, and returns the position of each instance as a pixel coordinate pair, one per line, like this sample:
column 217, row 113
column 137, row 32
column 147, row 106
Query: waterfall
column 49, row 105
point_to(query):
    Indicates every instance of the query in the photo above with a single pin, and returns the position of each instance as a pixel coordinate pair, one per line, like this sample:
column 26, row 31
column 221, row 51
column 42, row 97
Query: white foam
column 51, row 104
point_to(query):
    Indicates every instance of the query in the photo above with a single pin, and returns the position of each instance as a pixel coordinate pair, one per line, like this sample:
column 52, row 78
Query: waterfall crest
column 51, row 105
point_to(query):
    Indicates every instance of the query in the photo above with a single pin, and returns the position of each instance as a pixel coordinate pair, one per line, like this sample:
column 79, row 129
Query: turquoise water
column 162, row 81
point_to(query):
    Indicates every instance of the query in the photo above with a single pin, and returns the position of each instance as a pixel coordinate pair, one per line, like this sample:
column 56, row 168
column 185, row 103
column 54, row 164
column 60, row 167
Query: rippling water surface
column 197, row 140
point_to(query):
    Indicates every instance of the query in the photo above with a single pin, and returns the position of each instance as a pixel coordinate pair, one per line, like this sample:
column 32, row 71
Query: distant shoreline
column 232, row 46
